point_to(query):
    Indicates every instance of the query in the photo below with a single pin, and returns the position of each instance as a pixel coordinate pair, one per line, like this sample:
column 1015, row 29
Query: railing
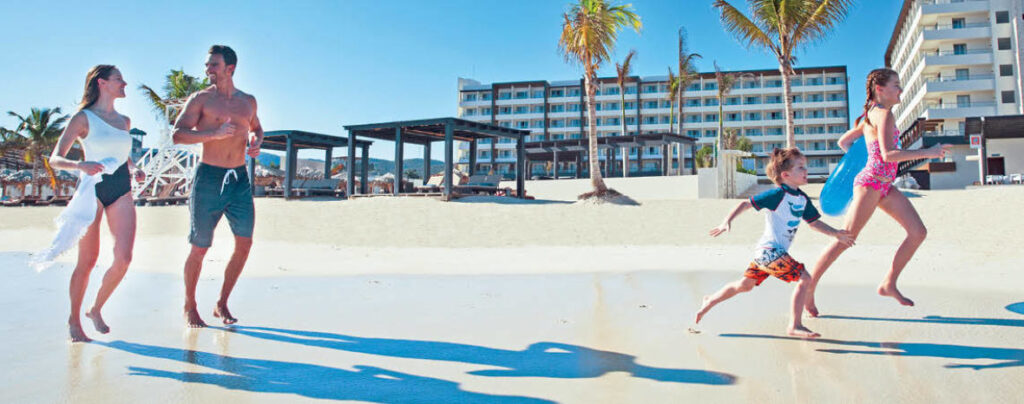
column 935, row 27
column 954, row 52
column 971, row 104
column 940, row 79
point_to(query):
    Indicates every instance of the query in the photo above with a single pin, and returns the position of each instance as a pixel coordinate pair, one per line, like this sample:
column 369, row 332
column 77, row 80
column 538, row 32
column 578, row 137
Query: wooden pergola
column 424, row 132
column 290, row 141
column 577, row 150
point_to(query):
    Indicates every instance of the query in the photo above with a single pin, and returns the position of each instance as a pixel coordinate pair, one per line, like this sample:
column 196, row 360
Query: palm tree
column 726, row 81
column 622, row 72
column 673, row 93
column 687, row 74
column 178, row 86
column 780, row 26
column 589, row 32
column 40, row 130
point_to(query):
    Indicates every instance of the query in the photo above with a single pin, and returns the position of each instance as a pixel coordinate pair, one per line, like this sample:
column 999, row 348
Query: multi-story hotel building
column 554, row 110
column 958, row 59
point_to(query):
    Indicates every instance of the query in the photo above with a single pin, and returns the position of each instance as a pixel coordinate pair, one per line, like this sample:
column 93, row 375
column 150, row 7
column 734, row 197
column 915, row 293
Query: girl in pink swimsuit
column 873, row 186
column 878, row 174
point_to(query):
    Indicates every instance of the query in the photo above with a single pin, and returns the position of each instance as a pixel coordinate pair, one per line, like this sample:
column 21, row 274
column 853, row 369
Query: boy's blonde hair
column 780, row 161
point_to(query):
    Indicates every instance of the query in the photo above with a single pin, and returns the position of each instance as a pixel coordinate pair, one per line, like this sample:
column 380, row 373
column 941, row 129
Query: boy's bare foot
column 703, row 309
column 222, row 312
column 192, row 319
column 77, row 334
column 802, row 332
column 97, row 321
column 891, row 291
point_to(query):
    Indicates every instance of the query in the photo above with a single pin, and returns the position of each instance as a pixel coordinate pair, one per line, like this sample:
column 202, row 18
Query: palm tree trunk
column 678, row 147
column 786, row 90
column 595, row 165
column 721, row 128
column 625, row 157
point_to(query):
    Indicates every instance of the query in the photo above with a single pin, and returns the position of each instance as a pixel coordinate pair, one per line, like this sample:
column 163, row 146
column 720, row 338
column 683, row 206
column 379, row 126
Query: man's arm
column 189, row 118
column 257, row 130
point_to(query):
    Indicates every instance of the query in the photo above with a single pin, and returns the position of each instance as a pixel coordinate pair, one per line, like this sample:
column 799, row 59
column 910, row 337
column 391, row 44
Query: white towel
column 74, row 221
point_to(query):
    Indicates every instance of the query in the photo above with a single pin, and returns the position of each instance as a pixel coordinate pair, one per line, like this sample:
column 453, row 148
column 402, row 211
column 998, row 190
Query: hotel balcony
column 959, row 110
column 960, row 84
column 951, row 32
column 966, row 58
column 953, row 6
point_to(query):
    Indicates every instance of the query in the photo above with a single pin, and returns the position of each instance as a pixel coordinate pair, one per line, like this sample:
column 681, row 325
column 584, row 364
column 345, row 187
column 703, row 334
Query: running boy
column 786, row 205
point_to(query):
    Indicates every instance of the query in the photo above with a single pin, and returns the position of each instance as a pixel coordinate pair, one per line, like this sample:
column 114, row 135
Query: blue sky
column 318, row 65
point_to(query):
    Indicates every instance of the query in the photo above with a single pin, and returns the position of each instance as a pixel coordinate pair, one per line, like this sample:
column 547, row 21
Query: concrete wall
column 966, row 171
column 708, row 183
column 638, row 188
column 1012, row 151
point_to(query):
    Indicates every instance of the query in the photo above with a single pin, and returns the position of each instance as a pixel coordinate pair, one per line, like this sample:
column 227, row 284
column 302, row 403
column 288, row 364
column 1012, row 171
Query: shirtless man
column 221, row 118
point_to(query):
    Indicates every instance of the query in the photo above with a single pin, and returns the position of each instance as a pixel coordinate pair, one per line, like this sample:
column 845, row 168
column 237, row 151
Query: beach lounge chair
column 434, row 184
column 479, row 184
column 22, row 200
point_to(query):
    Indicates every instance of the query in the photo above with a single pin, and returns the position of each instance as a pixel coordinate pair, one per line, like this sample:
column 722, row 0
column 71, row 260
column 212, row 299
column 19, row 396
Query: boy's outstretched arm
column 724, row 227
column 842, row 236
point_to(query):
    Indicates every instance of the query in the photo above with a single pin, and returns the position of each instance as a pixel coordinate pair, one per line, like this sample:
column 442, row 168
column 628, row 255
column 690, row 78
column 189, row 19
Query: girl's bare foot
column 97, row 321
column 703, row 309
column 802, row 332
column 810, row 307
column 890, row 290
column 77, row 334
column 222, row 312
column 192, row 319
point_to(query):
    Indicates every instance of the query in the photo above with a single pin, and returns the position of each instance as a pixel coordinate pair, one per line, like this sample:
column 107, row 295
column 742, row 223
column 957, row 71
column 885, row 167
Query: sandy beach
column 485, row 300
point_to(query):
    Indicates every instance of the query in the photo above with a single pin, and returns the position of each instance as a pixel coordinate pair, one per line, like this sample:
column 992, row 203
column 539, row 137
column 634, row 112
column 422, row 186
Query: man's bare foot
column 97, row 321
column 703, row 309
column 77, row 334
column 192, row 319
column 802, row 332
column 891, row 291
column 811, row 308
column 222, row 312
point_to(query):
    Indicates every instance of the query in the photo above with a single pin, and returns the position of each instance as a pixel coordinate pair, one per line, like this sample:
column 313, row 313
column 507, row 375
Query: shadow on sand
column 1004, row 322
column 1016, row 307
column 364, row 383
column 542, row 359
column 1004, row 357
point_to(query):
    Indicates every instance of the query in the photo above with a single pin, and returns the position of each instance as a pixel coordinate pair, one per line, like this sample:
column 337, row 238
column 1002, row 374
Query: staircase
column 911, row 136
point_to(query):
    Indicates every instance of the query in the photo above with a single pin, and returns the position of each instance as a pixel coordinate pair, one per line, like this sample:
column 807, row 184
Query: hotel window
column 651, row 119
column 798, row 114
column 485, row 96
column 693, row 102
column 958, row 23
column 693, row 118
column 836, row 97
column 630, row 105
column 753, row 132
column 537, row 124
column 504, row 96
column 796, row 82
column 711, row 133
column 757, row 148
column 537, row 109
column 1008, row 97
column 574, row 122
column 711, row 102
column 773, row 83
column 693, row 87
column 630, row 120
column 538, row 94
column 732, row 117
column 574, row 107
column 652, row 88
column 557, row 123
column 752, row 100
column 597, row 107
column 558, row 108
column 775, row 115
column 773, row 99
column 754, row 116
column 485, row 111
column 710, row 86
column 611, row 91
column 522, row 95
column 959, row 48
column 611, row 106
column 505, row 125
column 523, row 124
column 814, row 81
column 797, row 98
column 505, row 110
column 470, row 112
column 574, row 92
column 666, row 104
column 799, row 130
column 521, row 110
column 1006, row 70
column 1004, row 43
column 711, row 118
column 664, row 119
column 835, row 80
column 693, row 133
column 774, row 132
column 651, row 104
column 630, row 89
column 1002, row 17
column 815, row 98
column 469, row 97
column 557, row 93
column 732, row 101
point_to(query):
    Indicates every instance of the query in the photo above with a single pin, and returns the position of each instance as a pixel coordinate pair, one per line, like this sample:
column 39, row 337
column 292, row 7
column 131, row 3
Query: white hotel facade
column 959, row 59
column 554, row 110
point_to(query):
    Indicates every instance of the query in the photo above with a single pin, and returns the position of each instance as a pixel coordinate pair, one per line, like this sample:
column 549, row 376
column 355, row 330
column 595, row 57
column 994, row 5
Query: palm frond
column 745, row 30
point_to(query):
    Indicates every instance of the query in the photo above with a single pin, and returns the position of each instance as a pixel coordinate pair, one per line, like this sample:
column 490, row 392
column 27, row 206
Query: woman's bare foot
column 703, row 309
column 802, row 332
column 192, row 319
column 77, row 334
column 97, row 321
column 222, row 312
column 891, row 291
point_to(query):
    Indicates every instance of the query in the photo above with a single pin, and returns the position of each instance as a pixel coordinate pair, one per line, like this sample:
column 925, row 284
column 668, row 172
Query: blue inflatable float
column 838, row 190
